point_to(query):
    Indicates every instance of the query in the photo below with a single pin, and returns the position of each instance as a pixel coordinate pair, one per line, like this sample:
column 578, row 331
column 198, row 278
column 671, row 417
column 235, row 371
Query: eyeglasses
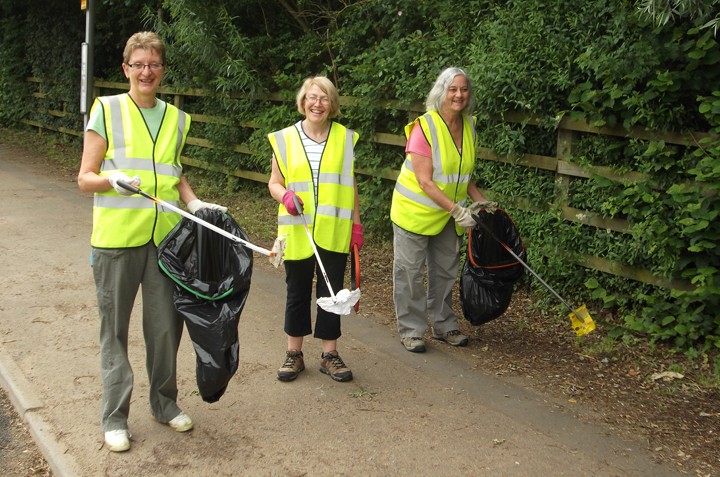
column 141, row 66
column 315, row 99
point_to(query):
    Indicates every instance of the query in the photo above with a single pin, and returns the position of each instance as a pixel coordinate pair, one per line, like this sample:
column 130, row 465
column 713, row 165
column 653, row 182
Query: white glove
column 121, row 176
column 462, row 217
column 197, row 204
column 489, row 206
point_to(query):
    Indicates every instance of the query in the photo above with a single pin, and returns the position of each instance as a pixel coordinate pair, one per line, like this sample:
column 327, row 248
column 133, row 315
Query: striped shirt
column 314, row 151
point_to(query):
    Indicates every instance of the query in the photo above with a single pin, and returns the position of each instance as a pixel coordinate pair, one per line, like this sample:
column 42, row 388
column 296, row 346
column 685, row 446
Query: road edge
column 30, row 408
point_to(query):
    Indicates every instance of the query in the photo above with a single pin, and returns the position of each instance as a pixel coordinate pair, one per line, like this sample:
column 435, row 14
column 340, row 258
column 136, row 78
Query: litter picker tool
column 580, row 318
column 355, row 273
column 343, row 302
column 276, row 254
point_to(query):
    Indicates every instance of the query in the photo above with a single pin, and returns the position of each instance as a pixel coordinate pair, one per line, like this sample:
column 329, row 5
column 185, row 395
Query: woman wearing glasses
column 312, row 166
column 137, row 138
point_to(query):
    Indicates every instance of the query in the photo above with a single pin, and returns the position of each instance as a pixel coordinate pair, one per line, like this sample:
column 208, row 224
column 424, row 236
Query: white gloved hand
column 489, row 206
column 121, row 176
column 197, row 204
column 462, row 217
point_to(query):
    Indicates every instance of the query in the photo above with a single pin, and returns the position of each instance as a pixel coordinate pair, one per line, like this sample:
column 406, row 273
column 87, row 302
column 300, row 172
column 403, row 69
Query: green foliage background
column 602, row 62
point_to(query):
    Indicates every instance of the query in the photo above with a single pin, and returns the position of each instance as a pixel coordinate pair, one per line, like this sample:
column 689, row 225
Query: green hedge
column 599, row 61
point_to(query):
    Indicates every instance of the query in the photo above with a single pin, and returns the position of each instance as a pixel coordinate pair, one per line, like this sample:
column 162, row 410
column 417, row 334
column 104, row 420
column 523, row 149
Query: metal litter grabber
column 343, row 302
column 580, row 318
column 275, row 255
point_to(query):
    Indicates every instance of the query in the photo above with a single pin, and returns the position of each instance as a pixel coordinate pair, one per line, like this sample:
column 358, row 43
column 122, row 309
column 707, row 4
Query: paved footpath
column 403, row 414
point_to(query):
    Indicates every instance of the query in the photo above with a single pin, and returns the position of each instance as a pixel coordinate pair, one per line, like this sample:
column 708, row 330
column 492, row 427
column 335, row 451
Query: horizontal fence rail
column 560, row 165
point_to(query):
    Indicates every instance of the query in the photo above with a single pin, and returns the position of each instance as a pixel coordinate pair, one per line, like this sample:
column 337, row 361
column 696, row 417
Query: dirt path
column 404, row 414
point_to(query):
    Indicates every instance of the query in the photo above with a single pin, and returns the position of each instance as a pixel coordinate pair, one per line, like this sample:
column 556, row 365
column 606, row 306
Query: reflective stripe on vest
column 130, row 221
column 411, row 208
column 335, row 204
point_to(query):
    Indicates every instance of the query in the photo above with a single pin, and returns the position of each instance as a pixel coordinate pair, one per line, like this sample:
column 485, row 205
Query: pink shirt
column 417, row 144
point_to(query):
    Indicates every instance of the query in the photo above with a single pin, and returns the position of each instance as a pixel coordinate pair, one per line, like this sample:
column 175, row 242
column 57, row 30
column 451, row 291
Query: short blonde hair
column 327, row 87
column 147, row 40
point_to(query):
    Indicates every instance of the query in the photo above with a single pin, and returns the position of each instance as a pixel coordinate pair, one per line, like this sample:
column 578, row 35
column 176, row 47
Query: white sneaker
column 181, row 422
column 118, row 441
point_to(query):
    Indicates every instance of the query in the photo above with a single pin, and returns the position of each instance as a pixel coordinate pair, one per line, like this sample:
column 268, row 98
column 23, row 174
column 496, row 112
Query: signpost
column 83, row 78
column 86, row 60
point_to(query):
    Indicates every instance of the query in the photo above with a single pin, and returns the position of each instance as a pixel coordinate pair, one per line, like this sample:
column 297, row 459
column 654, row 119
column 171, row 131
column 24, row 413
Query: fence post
column 565, row 147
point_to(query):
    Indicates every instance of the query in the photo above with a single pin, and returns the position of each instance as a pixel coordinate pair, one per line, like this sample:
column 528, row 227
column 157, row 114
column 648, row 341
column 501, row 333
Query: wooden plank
column 570, row 169
column 40, row 125
column 690, row 138
column 197, row 141
column 111, row 85
column 529, row 160
column 383, row 103
column 207, row 119
column 594, row 219
column 391, row 139
column 204, row 118
column 636, row 132
column 389, row 174
column 241, row 148
column 200, row 142
column 637, row 274
column 251, row 175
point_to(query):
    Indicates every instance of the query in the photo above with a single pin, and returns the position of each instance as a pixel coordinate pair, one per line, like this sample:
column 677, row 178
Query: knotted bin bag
column 212, row 277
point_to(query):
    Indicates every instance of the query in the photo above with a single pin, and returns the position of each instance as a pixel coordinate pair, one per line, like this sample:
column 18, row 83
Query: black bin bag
column 490, row 271
column 212, row 280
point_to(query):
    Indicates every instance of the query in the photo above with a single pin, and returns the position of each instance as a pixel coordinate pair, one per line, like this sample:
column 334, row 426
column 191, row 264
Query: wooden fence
column 560, row 165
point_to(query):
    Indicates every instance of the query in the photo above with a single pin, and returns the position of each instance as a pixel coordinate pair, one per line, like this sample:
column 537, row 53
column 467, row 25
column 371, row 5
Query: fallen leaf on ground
column 667, row 376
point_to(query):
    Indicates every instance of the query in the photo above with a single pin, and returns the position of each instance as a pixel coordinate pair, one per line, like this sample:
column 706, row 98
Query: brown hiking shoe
column 333, row 365
column 454, row 338
column 292, row 366
column 413, row 344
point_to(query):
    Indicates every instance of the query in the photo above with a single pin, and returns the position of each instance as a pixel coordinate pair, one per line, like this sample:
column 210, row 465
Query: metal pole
column 89, row 60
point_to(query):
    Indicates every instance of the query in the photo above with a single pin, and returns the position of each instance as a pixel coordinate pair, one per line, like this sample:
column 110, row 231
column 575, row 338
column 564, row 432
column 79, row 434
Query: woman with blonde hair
column 313, row 168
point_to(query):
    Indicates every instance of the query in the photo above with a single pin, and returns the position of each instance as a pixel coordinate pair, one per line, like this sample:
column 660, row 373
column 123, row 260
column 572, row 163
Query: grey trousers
column 413, row 305
column 118, row 275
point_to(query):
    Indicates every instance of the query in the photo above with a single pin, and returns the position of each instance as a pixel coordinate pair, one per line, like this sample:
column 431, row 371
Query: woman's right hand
column 289, row 203
column 462, row 216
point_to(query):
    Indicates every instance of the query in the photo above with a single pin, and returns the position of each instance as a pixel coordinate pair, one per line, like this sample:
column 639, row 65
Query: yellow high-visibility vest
column 411, row 208
column 130, row 221
column 330, row 218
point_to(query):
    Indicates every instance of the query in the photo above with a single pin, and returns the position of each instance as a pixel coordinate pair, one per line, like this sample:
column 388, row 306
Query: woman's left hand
column 357, row 237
